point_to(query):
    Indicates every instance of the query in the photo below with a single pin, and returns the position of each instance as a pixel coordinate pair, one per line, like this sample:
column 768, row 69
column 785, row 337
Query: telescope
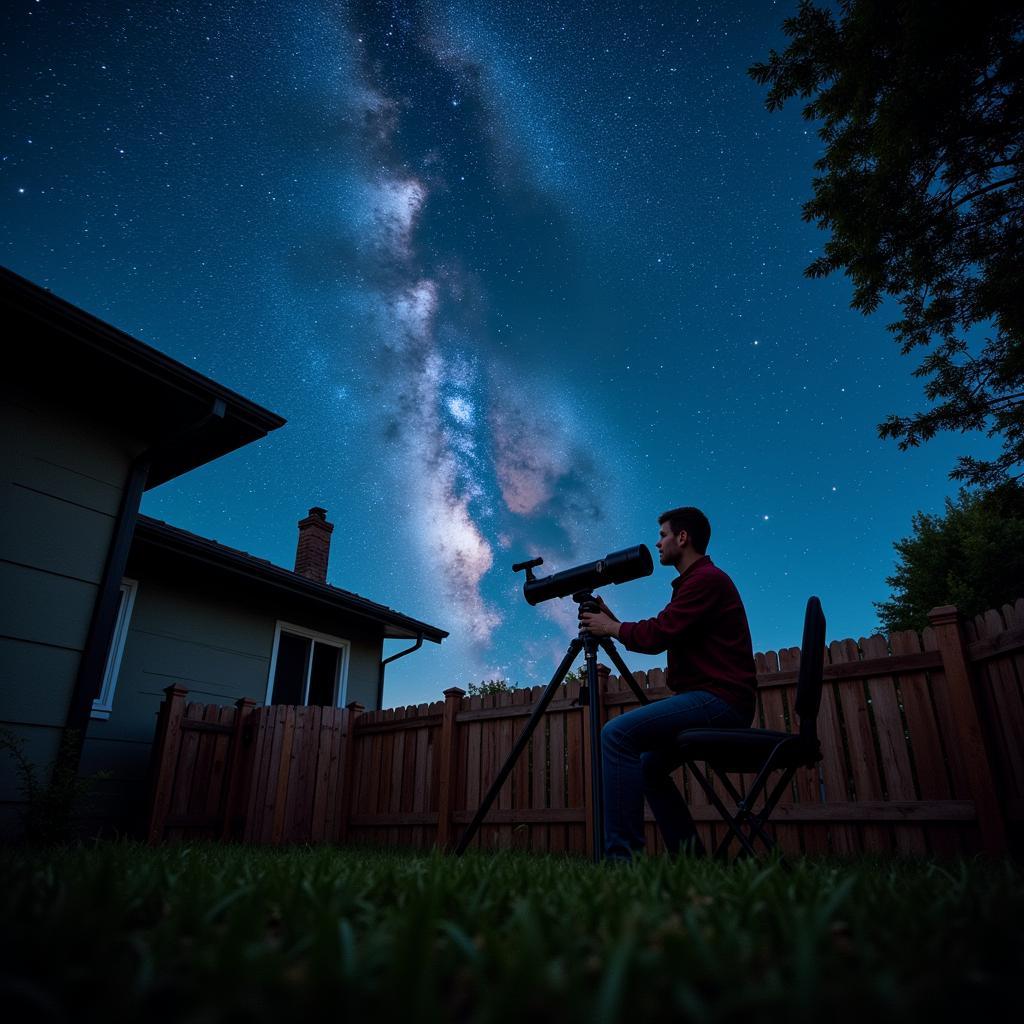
column 618, row 567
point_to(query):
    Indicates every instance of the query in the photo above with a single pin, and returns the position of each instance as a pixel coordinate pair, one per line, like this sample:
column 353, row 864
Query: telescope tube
column 618, row 567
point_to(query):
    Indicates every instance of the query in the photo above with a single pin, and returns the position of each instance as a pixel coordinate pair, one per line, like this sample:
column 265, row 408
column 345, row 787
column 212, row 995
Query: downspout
column 104, row 616
column 394, row 657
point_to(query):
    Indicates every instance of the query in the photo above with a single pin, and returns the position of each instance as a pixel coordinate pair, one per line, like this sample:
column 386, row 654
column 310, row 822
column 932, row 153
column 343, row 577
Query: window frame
column 342, row 645
column 103, row 705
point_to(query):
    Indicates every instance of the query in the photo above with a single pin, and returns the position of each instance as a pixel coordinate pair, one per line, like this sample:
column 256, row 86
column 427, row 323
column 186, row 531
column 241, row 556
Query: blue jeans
column 638, row 761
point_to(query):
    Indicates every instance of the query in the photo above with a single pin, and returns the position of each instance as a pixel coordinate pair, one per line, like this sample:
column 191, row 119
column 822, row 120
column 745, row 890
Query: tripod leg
column 596, row 753
column 613, row 652
column 575, row 646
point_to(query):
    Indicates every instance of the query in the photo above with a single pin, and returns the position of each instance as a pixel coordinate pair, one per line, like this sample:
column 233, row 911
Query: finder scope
column 618, row 567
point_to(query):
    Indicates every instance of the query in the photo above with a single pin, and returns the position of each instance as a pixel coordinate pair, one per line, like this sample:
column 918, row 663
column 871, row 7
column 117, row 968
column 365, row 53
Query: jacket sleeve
column 688, row 608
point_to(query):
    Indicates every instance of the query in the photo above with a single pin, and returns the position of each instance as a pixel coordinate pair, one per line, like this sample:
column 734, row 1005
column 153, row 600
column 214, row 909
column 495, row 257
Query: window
column 104, row 703
column 307, row 668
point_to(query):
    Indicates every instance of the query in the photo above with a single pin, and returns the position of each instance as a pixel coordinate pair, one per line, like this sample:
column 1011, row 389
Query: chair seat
column 745, row 750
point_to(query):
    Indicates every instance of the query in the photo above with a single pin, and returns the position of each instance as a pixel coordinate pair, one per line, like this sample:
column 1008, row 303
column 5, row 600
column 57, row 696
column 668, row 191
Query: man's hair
column 693, row 521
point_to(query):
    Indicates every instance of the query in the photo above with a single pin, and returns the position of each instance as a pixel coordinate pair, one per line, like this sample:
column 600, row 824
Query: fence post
column 165, row 758
column 449, row 767
column 594, row 707
column 353, row 710
column 972, row 747
column 233, row 787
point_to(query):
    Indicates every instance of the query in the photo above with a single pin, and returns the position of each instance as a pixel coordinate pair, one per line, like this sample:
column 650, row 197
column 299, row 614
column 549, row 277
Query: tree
column 921, row 185
column 973, row 557
column 488, row 686
column 576, row 675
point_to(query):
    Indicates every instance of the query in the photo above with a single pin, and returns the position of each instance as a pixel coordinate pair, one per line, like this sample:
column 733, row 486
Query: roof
column 166, row 402
column 159, row 534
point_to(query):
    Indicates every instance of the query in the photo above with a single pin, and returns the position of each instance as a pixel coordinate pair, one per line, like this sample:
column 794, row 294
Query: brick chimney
column 314, row 545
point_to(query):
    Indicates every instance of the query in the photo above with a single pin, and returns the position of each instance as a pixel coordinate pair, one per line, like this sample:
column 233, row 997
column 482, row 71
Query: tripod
column 589, row 645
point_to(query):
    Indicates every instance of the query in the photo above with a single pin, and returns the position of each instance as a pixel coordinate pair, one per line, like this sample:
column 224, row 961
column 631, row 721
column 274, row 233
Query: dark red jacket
column 704, row 629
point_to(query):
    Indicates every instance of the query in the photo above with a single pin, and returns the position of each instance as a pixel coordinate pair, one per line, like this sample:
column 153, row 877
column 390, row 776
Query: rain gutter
column 394, row 657
column 104, row 616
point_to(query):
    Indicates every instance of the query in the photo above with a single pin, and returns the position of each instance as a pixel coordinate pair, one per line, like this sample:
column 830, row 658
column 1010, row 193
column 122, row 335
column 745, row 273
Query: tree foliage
column 973, row 557
column 488, row 686
column 921, row 186
column 576, row 675
column 51, row 794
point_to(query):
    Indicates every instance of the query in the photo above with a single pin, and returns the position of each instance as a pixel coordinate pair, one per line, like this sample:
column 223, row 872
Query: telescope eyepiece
column 529, row 567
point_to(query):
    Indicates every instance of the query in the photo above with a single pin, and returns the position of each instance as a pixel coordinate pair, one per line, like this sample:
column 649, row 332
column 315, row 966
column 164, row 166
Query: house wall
column 212, row 633
column 63, row 471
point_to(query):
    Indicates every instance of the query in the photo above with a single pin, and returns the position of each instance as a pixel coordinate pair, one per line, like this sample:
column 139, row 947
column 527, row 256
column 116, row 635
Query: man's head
column 684, row 531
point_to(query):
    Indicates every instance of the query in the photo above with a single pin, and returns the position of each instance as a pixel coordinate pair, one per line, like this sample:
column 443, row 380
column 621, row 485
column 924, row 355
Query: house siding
column 63, row 473
column 202, row 629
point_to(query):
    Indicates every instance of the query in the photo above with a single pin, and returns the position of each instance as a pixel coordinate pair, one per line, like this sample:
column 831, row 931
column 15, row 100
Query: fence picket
column 814, row 838
column 505, row 740
column 925, row 746
column 213, row 807
column 393, row 768
column 279, row 781
column 945, row 720
column 299, row 811
column 899, row 782
column 185, row 771
column 557, row 780
column 972, row 746
column 539, row 755
column 324, row 752
column 200, row 790
column 1004, row 714
column 775, row 715
column 421, row 780
column 407, row 775
column 254, row 813
column 867, row 780
column 576, row 838
column 165, row 760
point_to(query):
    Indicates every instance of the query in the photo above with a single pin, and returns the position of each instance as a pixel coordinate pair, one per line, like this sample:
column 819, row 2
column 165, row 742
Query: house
column 224, row 625
column 91, row 419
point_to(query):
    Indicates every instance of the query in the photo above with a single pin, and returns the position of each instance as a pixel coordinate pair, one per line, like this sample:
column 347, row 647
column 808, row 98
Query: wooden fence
column 923, row 737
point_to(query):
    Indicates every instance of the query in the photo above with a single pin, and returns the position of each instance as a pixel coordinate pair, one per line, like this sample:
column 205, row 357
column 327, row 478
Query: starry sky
column 521, row 276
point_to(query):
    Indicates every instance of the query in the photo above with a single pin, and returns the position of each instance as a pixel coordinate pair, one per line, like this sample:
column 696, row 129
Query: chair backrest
column 812, row 668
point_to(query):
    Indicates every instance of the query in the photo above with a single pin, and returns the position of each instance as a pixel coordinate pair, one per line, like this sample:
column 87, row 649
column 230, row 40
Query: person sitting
column 710, row 669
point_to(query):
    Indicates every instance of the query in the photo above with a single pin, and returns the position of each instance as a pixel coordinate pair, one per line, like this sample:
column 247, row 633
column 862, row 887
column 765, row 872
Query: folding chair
column 763, row 751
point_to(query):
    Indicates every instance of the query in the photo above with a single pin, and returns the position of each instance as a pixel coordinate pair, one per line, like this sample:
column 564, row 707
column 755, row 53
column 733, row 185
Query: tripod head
column 586, row 600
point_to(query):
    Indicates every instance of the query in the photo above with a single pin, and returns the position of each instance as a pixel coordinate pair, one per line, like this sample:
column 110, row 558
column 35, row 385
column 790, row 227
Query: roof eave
column 131, row 360
column 396, row 625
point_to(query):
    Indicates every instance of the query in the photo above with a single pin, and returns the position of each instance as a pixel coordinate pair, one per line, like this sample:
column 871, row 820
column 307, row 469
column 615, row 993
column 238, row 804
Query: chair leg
column 745, row 816
column 745, row 825
column 737, row 818
column 723, row 811
column 761, row 819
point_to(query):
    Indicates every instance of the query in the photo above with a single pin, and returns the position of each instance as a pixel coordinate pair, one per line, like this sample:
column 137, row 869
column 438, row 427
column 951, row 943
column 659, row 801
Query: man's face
column 670, row 545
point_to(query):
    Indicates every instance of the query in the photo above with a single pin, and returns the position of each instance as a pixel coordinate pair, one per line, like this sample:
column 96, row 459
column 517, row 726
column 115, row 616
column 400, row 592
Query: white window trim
column 323, row 638
column 104, row 703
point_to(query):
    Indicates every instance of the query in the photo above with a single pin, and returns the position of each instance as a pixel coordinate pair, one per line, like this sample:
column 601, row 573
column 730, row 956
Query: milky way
column 471, row 453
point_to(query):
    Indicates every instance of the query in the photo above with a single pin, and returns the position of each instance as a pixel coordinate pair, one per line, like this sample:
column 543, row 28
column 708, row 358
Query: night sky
column 521, row 276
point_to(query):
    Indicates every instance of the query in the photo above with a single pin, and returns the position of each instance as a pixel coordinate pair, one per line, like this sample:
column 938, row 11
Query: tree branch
column 1005, row 398
column 981, row 191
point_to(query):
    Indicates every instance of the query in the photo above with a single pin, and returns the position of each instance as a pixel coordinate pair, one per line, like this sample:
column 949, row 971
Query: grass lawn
column 115, row 932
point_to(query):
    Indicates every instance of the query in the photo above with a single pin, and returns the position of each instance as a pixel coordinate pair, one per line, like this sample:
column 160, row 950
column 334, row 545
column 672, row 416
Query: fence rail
column 923, row 740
